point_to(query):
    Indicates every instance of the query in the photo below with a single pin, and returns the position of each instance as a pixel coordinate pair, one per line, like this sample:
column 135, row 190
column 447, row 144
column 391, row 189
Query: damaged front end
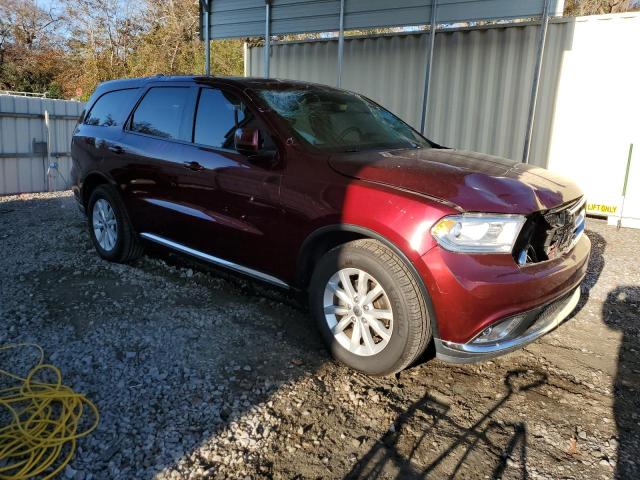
column 549, row 234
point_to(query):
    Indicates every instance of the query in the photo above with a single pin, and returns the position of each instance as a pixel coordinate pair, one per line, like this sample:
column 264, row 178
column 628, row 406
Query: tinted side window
column 162, row 113
column 112, row 108
column 218, row 115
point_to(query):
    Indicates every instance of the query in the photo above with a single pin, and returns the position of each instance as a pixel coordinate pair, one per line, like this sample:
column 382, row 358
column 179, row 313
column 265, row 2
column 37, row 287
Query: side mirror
column 248, row 141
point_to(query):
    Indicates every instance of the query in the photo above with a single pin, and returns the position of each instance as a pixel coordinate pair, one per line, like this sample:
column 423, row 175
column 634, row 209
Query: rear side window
column 218, row 115
column 165, row 112
column 112, row 108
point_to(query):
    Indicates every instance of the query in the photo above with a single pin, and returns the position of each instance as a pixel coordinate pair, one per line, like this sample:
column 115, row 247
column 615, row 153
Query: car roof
column 240, row 82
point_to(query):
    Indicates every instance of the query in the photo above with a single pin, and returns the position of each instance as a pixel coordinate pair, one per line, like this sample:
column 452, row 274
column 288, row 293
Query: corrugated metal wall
column 22, row 124
column 480, row 88
column 588, row 104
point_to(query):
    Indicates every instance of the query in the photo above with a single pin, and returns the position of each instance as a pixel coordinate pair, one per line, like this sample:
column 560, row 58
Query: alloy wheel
column 105, row 225
column 358, row 312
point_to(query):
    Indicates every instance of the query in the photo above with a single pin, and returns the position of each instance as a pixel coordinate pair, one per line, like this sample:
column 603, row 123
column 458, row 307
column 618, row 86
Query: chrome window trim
column 214, row 260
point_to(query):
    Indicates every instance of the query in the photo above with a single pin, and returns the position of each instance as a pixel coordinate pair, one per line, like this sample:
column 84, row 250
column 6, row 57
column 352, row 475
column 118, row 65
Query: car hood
column 472, row 181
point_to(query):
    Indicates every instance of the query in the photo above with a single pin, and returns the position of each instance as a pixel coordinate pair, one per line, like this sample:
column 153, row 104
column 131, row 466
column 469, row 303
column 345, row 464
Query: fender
column 91, row 178
column 365, row 232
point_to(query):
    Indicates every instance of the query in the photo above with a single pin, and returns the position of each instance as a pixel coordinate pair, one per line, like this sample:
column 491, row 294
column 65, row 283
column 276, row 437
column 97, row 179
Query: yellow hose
column 40, row 438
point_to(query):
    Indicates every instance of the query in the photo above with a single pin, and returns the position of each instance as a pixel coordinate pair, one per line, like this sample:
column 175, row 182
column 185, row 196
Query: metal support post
column 624, row 185
column 542, row 38
column 267, row 37
column 340, row 45
column 206, row 4
column 427, row 77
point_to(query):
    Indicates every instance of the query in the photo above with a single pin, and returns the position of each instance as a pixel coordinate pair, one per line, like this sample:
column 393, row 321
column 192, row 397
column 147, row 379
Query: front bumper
column 472, row 292
column 535, row 324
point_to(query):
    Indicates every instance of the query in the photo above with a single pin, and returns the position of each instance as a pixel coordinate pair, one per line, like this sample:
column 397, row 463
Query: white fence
column 588, row 105
column 28, row 160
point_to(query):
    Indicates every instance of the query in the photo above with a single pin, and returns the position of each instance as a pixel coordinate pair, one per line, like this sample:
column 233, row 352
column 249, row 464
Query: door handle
column 195, row 166
column 116, row 149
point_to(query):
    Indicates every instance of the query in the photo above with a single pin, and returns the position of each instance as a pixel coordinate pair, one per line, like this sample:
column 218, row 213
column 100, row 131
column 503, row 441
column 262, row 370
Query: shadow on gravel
column 594, row 270
column 385, row 460
column 596, row 261
column 621, row 311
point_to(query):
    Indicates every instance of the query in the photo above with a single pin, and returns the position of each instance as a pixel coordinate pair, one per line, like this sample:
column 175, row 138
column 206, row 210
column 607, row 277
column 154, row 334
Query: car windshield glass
column 340, row 121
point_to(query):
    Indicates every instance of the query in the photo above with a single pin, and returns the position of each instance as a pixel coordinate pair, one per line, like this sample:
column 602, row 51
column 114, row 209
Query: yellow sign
column 601, row 209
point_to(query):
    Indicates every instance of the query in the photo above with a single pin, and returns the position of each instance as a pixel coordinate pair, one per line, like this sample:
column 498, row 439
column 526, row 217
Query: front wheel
column 369, row 308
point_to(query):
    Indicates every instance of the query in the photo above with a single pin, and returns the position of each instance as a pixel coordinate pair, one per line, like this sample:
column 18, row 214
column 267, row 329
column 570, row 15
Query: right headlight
column 478, row 232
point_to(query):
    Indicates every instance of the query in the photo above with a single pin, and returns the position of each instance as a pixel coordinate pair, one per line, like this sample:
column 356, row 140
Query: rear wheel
column 109, row 227
column 369, row 308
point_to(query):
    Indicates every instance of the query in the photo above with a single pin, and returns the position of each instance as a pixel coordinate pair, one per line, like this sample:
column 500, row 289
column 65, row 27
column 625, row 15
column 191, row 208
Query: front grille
column 566, row 226
column 548, row 235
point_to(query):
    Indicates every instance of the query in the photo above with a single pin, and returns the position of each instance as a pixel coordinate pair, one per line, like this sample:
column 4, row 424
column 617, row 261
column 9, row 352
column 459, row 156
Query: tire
column 406, row 330
column 126, row 247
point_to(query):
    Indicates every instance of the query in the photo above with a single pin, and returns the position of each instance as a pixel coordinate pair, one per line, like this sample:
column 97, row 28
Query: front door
column 234, row 203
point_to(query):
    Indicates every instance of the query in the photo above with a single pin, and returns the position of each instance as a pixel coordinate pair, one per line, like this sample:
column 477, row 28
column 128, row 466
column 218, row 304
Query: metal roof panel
column 245, row 18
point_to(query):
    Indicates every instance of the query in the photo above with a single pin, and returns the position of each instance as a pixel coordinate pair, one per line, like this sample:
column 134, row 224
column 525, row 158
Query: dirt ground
column 199, row 374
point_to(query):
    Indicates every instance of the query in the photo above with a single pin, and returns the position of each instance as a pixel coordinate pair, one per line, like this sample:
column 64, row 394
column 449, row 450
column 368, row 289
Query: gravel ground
column 198, row 374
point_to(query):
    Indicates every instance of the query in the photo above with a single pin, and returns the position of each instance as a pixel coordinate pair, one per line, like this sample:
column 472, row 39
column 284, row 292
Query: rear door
column 152, row 149
column 100, row 126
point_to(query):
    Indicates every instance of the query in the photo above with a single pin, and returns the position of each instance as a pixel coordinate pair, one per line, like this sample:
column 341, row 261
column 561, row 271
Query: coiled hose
column 43, row 419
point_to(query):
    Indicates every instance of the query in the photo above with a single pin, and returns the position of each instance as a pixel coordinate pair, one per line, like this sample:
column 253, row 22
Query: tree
column 29, row 47
column 101, row 37
column 599, row 7
column 86, row 42
column 172, row 44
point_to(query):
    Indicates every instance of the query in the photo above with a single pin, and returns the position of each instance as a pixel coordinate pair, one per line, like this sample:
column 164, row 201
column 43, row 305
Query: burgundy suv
column 399, row 241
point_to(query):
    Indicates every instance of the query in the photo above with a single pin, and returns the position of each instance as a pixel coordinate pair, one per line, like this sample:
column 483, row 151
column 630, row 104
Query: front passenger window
column 217, row 117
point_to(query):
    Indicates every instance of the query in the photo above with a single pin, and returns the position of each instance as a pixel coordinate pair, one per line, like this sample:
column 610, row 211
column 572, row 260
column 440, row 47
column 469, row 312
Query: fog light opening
column 502, row 330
